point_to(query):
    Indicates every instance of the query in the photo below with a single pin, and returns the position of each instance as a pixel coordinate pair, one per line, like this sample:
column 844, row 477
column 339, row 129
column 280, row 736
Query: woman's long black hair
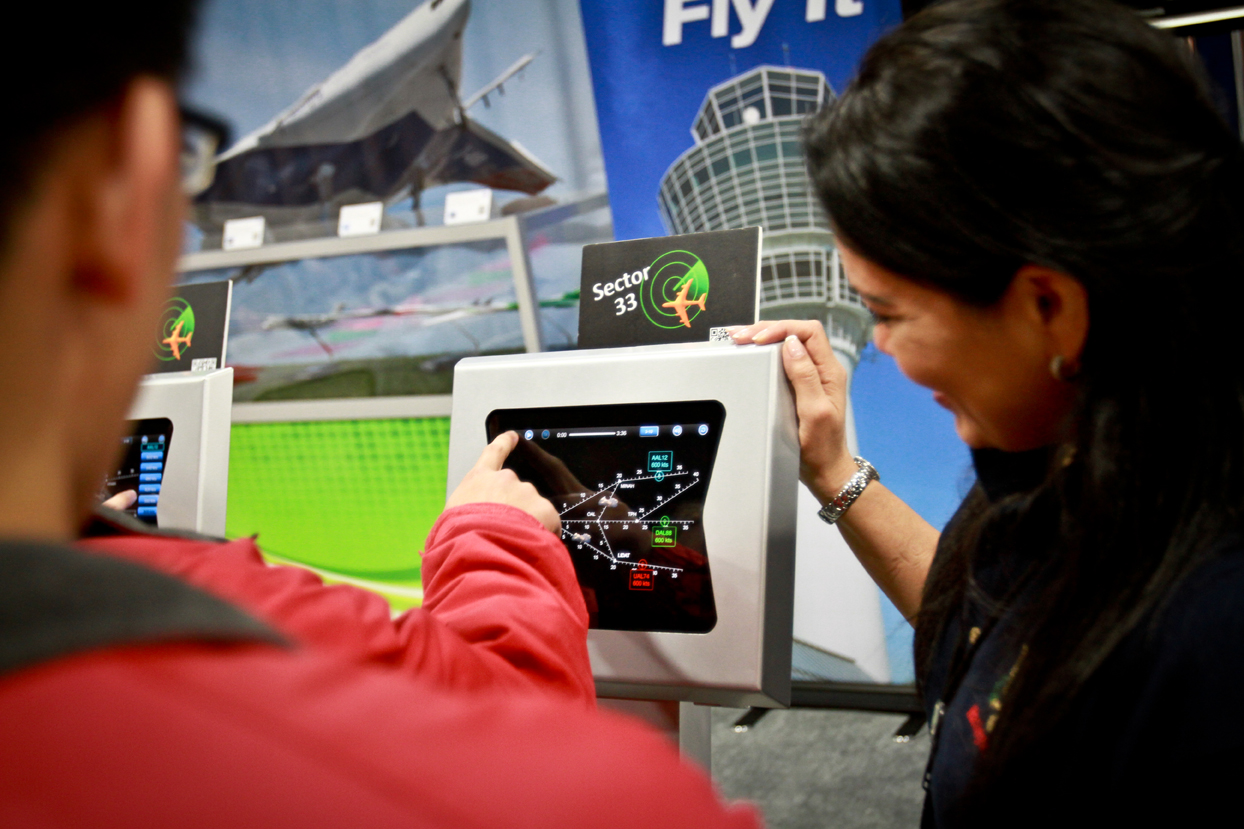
column 985, row 134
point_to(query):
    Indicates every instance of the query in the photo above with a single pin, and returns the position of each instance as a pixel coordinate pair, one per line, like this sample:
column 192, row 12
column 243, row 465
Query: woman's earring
column 1061, row 371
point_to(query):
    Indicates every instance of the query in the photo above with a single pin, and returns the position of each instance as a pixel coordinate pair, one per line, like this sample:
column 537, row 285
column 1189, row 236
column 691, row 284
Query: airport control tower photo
column 746, row 169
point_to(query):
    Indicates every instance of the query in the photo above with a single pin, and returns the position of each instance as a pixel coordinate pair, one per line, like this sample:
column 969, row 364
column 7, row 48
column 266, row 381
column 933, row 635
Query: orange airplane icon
column 680, row 303
column 174, row 341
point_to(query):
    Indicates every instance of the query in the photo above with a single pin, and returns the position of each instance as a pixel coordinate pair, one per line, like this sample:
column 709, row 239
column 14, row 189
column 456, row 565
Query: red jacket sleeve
column 502, row 607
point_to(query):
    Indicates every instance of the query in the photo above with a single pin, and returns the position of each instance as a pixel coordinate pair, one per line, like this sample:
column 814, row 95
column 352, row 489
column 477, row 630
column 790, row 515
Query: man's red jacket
column 476, row 710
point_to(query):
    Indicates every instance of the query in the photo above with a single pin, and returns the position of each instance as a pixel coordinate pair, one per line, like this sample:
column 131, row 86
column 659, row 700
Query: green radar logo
column 176, row 330
column 676, row 289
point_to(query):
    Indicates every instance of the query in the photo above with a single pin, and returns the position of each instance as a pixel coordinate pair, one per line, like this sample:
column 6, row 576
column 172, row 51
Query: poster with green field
column 352, row 500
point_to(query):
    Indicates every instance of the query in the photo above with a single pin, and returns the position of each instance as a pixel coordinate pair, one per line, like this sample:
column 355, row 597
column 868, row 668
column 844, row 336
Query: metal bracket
column 910, row 727
column 753, row 716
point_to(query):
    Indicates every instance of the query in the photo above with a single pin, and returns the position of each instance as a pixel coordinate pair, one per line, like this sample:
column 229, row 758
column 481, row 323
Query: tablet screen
column 144, row 452
column 629, row 482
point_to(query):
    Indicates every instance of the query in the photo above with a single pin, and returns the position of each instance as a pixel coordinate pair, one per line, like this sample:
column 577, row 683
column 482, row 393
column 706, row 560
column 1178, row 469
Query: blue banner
column 701, row 105
column 654, row 61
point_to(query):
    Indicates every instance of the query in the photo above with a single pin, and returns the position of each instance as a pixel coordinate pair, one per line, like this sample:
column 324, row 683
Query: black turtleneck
column 1001, row 474
column 1152, row 730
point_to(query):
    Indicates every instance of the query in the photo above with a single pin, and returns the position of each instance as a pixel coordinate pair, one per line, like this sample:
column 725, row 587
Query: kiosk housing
column 195, row 487
column 618, row 428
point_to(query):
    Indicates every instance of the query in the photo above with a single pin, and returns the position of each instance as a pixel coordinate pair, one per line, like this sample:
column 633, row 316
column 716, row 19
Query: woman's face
column 989, row 366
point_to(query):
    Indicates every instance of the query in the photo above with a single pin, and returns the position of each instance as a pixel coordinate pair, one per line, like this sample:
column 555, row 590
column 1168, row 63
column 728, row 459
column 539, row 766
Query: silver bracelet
column 841, row 502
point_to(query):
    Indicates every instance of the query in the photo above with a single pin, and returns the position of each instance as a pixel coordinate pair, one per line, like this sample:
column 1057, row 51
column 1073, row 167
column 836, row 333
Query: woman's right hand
column 820, row 385
column 894, row 544
column 488, row 482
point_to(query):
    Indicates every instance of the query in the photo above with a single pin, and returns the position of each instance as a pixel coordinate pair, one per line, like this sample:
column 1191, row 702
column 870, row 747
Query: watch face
column 629, row 482
column 830, row 514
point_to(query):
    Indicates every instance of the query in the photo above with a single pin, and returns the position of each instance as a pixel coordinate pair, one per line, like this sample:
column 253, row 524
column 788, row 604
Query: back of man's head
column 79, row 57
column 90, row 223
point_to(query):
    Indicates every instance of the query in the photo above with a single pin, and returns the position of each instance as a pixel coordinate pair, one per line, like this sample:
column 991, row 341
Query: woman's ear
column 1059, row 304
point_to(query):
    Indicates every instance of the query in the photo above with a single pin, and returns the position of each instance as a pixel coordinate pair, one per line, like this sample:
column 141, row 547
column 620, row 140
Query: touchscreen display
column 141, row 465
column 629, row 482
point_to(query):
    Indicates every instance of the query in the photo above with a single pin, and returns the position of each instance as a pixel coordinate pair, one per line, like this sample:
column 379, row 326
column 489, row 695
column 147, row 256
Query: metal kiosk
column 674, row 469
column 182, row 477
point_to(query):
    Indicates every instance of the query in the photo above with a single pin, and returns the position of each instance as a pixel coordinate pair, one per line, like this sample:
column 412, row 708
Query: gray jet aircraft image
column 385, row 126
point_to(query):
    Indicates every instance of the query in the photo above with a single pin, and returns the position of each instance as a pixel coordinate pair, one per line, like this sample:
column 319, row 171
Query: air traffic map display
column 629, row 482
column 141, row 468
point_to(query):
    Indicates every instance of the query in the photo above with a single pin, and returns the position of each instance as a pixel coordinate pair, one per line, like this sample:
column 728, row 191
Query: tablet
column 144, row 454
column 629, row 482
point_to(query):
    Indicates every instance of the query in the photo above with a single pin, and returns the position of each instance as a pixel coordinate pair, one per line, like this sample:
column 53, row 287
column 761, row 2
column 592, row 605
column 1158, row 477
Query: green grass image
column 351, row 499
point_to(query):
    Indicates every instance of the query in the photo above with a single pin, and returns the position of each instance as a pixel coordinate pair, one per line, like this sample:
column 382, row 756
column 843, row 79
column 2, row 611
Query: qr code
column 719, row 335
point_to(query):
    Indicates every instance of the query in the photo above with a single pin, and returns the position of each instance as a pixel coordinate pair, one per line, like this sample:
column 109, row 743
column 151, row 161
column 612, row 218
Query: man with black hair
column 153, row 680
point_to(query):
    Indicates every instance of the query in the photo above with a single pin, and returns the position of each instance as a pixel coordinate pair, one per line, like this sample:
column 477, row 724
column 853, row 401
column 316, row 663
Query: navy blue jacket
column 1152, row 736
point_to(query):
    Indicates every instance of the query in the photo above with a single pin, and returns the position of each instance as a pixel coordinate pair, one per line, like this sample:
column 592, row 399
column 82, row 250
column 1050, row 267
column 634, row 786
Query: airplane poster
column 388, row 124
column 339, row 102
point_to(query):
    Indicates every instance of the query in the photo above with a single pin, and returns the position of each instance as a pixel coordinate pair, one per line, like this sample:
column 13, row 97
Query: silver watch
column 841, row 502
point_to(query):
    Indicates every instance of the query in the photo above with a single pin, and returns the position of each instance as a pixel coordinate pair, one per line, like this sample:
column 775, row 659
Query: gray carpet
column 812, row 768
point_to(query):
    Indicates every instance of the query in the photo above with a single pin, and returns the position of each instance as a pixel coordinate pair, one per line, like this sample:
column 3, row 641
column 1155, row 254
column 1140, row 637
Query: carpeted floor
column 813, row 768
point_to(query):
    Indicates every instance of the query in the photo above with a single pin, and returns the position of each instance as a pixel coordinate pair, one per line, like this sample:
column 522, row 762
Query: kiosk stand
column 695, row 733
column 190, row 489
column 674, row 469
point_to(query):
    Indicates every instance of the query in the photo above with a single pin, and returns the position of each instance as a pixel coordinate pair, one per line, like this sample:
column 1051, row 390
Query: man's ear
column 127, row 178
column 1060, row 303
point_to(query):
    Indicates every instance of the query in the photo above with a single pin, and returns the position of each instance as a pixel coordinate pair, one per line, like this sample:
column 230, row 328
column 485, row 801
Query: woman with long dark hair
column 1045, row 213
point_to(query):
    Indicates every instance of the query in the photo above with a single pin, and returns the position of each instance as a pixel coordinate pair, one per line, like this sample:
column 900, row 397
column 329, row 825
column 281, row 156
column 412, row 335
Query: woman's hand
column 894, row 544
column 820, row 384
column 487, row 482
